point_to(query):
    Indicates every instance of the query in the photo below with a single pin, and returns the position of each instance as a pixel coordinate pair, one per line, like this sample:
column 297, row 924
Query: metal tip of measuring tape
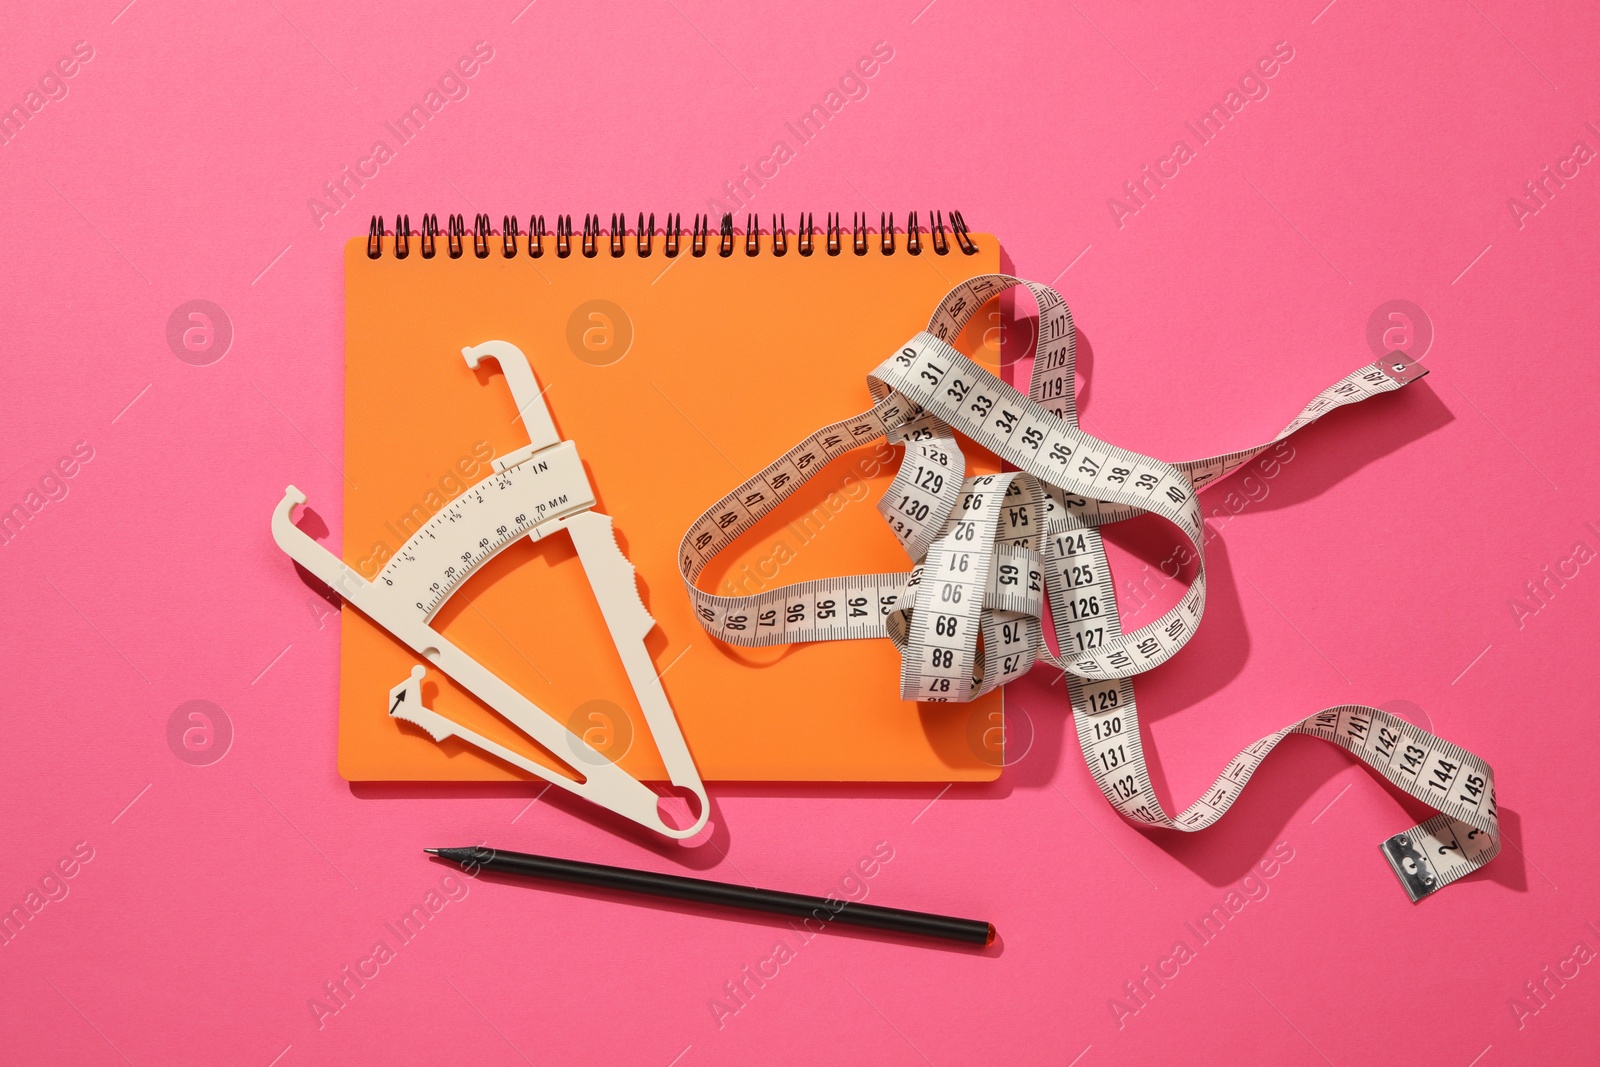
column 1402, row 368
column 1416, row 874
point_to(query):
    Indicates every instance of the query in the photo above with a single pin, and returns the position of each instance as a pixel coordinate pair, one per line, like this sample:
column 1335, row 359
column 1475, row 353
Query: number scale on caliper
column 512, row 503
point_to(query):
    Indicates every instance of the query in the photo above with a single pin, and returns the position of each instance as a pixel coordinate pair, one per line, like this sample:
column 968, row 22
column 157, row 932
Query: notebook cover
column 696, row 373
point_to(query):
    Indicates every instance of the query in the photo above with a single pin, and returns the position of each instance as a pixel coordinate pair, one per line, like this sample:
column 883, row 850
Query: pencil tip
column 431, row 851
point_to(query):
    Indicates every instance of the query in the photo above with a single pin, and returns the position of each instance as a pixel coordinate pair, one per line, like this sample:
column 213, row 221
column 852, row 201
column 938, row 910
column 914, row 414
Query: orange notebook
column 676, row 378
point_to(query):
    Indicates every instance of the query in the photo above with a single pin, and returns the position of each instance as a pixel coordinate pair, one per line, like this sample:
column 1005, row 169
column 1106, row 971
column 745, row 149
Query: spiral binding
column 513, row 240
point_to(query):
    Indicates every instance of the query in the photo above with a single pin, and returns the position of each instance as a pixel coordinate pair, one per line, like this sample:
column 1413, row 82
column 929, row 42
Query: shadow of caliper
column 534, row 491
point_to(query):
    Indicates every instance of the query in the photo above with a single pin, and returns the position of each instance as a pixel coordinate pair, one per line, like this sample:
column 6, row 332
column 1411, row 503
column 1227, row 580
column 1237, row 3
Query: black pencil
column 795, row 905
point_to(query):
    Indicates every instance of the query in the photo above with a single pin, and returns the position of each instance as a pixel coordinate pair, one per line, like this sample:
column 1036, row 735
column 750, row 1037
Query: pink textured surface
column 1382, row 566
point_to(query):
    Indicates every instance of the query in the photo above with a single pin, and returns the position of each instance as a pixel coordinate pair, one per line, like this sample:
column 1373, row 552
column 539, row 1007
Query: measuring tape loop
column 989, row 551
column 1054, row 451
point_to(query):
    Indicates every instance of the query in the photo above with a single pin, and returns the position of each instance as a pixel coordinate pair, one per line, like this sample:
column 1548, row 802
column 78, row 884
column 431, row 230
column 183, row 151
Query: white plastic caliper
column 534, row 491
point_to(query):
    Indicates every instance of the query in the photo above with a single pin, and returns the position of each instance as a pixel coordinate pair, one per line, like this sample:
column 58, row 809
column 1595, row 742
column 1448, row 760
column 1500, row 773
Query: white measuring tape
column 991, row 550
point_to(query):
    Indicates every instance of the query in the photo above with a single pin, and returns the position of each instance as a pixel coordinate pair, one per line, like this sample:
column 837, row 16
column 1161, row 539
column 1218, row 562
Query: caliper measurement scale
column 514, row 503
column 535, row 491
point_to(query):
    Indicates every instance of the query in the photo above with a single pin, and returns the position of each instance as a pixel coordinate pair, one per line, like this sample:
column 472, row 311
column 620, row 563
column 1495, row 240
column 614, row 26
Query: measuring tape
column 990, row 551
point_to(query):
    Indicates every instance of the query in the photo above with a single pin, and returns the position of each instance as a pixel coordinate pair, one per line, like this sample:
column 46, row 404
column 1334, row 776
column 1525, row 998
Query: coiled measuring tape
column 990, row 551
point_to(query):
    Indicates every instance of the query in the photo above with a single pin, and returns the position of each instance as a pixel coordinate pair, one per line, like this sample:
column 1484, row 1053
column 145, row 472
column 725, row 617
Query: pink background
column 1382, row 566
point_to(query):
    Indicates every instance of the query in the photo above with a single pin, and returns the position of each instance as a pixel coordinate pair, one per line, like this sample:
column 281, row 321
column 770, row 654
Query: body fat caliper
column 535, row 491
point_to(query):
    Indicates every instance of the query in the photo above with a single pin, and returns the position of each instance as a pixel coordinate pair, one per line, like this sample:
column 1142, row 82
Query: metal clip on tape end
column 1401, row 367
column 1416, row 874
